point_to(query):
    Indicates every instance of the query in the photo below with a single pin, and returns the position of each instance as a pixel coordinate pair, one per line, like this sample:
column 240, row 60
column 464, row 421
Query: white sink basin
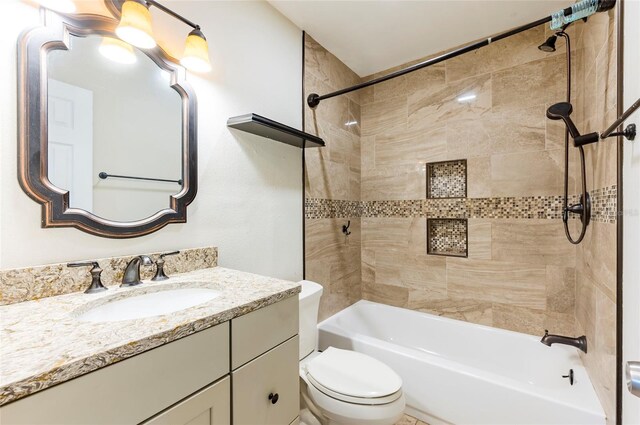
column 148, row 305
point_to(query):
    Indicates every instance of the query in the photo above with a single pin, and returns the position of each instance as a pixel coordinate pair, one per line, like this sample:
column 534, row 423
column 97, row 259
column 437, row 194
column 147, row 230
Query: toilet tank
column 309, row 304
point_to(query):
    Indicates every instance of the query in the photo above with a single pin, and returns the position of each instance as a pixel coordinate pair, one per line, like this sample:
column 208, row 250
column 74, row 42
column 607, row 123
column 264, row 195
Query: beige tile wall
column 521, row 274
column 332, row 259
column 596, row 255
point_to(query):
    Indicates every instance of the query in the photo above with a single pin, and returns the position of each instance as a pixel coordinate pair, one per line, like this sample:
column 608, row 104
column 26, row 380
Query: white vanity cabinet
column 221, row 375
column 264, row 358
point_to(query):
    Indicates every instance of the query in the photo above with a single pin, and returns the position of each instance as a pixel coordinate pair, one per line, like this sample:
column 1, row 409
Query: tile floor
column 410, row 420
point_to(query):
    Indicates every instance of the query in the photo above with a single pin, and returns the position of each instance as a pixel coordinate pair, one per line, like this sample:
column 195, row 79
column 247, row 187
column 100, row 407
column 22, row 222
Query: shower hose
column 584, row 198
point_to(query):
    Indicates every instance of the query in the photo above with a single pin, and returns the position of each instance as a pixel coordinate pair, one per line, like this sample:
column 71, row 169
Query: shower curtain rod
column 314, row 99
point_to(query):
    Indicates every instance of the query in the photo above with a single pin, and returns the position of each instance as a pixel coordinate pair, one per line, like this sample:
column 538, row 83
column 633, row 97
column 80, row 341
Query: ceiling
column 371, row 36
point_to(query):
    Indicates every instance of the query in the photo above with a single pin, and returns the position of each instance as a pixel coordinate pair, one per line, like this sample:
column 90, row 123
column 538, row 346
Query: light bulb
column 117, row 50
column 196, row 52
column 135, row 25
column 64, row 6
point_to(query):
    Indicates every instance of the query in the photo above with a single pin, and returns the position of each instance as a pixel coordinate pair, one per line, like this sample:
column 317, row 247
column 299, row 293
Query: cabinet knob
column 274, row 398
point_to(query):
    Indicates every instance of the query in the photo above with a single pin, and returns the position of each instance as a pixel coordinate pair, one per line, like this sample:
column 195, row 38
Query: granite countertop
column 42, row 343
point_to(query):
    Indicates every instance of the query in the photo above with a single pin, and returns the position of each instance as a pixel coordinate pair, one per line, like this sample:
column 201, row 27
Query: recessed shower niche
column 447, row 179
column 447, row 236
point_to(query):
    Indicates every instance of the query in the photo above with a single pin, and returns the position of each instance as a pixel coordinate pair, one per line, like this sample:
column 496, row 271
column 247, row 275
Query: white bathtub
column 461, row 373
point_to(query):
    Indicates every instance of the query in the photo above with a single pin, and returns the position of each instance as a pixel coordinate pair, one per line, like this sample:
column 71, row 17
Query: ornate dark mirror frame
column 33, row 47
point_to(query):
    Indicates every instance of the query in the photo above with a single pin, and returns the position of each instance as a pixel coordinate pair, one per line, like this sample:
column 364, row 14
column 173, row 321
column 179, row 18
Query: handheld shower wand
column 562, row 111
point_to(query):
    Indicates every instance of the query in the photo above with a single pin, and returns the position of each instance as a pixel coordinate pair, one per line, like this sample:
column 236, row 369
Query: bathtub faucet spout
column 578, row 342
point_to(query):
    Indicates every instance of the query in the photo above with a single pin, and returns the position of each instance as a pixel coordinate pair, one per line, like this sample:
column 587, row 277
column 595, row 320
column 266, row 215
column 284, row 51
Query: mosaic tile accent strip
column 604, row 204
column 31, row 283
column 331, row 208
column 447, row 237
column 604, row 207
column 447, row 179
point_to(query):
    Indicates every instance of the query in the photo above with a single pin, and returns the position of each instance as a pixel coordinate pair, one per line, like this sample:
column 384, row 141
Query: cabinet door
column 210, row 406
column 266, row 390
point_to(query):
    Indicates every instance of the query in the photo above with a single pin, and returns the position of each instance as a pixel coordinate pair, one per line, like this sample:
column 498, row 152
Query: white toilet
column 341, row 386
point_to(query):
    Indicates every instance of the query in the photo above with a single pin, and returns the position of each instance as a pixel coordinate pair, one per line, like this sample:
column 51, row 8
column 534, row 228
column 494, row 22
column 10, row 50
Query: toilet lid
column 353, row 374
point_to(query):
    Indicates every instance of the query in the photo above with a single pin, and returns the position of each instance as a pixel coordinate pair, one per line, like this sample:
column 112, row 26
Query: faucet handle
column 96, row 271
column 160, row 275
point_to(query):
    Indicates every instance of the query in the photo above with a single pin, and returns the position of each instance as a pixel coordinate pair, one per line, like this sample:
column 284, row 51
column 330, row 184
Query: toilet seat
column 353, row 377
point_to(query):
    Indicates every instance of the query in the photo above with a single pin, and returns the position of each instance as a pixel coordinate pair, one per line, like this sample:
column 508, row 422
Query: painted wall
column 249, row 198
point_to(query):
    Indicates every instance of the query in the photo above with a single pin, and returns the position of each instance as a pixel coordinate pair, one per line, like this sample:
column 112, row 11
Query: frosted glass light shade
column 117, row 50
column 135, row 25
column 196, row 53
column 64, row 6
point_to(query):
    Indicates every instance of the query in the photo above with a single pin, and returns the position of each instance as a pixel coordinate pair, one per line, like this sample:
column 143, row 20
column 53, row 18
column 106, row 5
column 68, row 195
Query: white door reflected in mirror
column 70, row 152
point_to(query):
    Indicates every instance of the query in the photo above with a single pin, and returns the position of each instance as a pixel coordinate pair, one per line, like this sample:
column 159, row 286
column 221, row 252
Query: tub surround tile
column 536, row 241
column 434, row 105
column 479, row 239
column 459, row 309
column 519, row 319
column 515, row 166
column 595, row 297
column 410, row 147
column 385, row 294
column 32, row 283
column 415, row 271
column 394, row 182
column 327, row 68
column 333, row 260
column 333, row 179
column 515, row 50
column 539, row 82
column 500, row 282
column 37, row 353
column 538, row 173
column 561, row 289
column 378, row 117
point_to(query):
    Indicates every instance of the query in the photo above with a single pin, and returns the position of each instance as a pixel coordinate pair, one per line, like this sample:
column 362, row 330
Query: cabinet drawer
column 261, row 330
column 211, row 406
column 132, row 390
column 275, row 372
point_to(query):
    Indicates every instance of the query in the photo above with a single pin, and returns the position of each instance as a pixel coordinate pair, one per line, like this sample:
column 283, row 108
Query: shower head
column 549, row 45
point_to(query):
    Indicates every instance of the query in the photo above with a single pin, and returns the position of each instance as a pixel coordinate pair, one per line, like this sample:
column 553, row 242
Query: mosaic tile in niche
column 447, row 237
column 447, row 179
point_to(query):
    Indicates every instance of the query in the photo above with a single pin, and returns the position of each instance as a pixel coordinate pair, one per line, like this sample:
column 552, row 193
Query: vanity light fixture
column 135, row 24
column 196, row 52
column 117, row 50
column 135, row 28
column 63, row 6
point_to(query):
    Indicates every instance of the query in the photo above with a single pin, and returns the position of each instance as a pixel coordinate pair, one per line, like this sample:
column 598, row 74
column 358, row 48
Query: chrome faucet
column 578, row 342
column 132, row 272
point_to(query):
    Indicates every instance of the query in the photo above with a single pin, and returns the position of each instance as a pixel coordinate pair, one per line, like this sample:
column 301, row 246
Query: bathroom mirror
column 107, row 131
